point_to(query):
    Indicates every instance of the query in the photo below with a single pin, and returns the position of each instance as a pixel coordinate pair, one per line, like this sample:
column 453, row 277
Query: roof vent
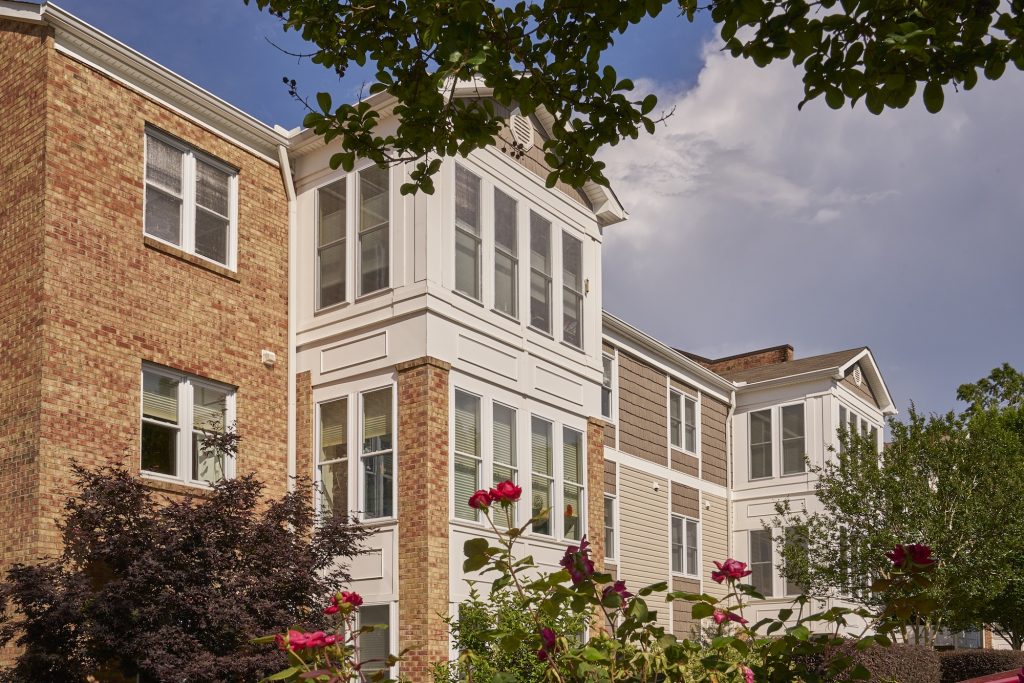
column 858, row 376
column 522, row 130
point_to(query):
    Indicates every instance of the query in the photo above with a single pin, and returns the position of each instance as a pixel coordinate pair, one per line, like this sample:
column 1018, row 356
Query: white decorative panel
column 488, row 357
column 354, row 352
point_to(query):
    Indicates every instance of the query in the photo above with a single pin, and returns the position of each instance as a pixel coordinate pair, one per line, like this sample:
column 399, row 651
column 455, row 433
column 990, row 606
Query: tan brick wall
column 596, row 478
column 712, row 440
column 643, row 410
column 422, row 514
column 305, row 442
column 745, row 361
column 112, row 302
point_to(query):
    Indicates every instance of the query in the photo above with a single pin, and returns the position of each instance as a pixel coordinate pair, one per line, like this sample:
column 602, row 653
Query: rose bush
column 626, row 642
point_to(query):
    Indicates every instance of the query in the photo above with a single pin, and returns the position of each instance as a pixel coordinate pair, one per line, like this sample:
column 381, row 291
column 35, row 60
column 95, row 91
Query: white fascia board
column 27, row 12
column 91, row 46
column 661, row 472
column 874, row 378
column 620, row 333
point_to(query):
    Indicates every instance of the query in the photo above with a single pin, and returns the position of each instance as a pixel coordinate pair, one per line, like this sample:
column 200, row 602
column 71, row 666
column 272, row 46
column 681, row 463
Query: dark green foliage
column 892, row 664
column 172, row 590
column 550, row 56
column 962, row 665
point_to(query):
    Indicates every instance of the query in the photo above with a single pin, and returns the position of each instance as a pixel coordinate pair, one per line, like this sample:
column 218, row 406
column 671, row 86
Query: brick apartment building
column 171, row 262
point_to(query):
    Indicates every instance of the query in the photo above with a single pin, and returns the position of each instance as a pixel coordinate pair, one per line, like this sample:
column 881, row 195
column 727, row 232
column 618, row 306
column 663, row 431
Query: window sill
column 375, row 294
column 506, row 316
column 175, row 486
column 468, row 297
column 182, row 255
column 680, row 575
column 573, row 347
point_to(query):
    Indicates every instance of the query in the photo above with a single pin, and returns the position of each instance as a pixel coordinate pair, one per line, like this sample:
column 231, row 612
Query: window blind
column 333, row 430
column 159, row 397
column 377, row 421
column 374, row 646
column 572, row 446
column 208, row 408
column 540, row 448
column 467, row 200
column 504, row 436
column 467, row 424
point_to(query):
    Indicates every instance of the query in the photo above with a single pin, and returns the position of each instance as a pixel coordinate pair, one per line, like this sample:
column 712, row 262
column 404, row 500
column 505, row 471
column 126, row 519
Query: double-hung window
column 467, row 233
column 374, row 229
column 572, row 291
column 376, row 454
column 506, row 255
column 572, row 483
column 684, row 546
column 375, row 645
column 540, row 273
column 191, row 199
column 178, row 412
column 331, row 236
column 467, row 452
column 796, row 544
column 793, row 448
column 332, row 465
column 761, row 444
column 762, row 572
column 610, row 545
column 505, row 466
column 541, row 452
column 607, row 384
column 683, row 421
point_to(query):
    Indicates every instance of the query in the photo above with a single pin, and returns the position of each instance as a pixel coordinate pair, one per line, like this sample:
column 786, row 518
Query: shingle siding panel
column 643, row 411
column 712, row 440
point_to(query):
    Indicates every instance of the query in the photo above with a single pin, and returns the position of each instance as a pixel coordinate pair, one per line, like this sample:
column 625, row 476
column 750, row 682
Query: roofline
column 91, row 46
column 890, row 407
column 674, row 355
column 696, row 357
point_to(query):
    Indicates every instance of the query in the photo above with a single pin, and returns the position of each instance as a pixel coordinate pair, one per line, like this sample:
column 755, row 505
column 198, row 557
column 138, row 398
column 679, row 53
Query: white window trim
column 350, row 493
column 391, row 631
column 481, row 476
column 614, row 388
column 684, row 518
column 774, row 571
column 517, row 258
column 184, row 453
column 352, row 260
column 683, row 397
column 478, row 237
column 354, row 425
column 188, row 197
column 750, row 444
column 564, row 287
column 561, row 483
column 614, row 498
column 779, row 436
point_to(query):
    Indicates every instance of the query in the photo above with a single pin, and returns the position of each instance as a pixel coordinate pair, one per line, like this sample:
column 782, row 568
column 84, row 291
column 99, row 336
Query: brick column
column 422, row 514
column 305, row 459
column 595, row 489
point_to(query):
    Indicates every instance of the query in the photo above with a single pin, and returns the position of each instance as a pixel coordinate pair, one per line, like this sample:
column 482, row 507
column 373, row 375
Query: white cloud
column 755, row 224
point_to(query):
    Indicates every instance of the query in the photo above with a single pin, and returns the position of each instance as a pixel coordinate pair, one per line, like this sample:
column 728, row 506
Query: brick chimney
column 745, row 361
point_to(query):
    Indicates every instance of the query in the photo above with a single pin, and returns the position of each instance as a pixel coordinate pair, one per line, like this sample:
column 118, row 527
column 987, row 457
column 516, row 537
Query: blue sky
column 751, row 224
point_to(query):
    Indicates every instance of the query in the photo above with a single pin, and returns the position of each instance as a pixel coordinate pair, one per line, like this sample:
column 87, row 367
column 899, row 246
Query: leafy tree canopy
column 952, row 482
column 550, row 55
column 172, row 590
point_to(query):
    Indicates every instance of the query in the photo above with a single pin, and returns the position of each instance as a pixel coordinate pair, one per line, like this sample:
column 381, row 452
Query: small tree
column 172, row 590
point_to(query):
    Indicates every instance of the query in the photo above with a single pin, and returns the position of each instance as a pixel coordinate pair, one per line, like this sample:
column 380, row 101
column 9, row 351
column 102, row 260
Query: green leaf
column 933, row 99
column 324, row 100
column 648, row 105
column 702, row 610
column 834, row 98
column 653, row 588
column 285, row 674
column 800, row 632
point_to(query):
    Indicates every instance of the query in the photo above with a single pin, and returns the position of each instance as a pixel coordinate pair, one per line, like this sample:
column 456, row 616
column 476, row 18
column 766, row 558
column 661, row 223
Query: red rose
column 481, row 500
column 505, row 493
column 920, row 554
column 351, row 598
column 577, row 561
column 748, row 674
column 619, row 588
column 897, row 556
column 332, row 608
column 721, row 616
column 730, row 569
column 547, row 643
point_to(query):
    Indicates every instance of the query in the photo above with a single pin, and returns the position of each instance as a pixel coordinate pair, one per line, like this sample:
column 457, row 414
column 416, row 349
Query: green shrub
column 894, row 664
column 961, row 665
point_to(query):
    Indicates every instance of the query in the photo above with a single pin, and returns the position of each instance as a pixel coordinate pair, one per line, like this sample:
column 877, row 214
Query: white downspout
column 729, row 522
column 293, row 238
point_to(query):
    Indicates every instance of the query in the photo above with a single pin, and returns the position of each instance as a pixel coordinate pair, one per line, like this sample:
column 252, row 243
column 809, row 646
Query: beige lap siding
column 714, row 540
column 643, row 521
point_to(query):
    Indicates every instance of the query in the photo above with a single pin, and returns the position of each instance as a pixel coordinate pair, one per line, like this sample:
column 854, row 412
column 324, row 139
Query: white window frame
column 750, row 443
column 478, row 457
column 612, row 387
column 683, row 398
column 780, row 435
column 391, row 632
column 350, row 495
column 771, row 558
column 477, row 238
column 549, row 276
column 614, row 507
column 184, row 455
column 567, row 290
column 684, row 520
column 353, row 268
column 360, row 455
column 190, row 154
column 562, row 483
column 515, row 258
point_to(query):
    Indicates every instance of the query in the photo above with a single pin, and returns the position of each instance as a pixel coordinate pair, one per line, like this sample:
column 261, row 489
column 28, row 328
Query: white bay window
column 377, row 454
column 572, row 291
column 467, row 452
column 468, row 238
column 540, row 273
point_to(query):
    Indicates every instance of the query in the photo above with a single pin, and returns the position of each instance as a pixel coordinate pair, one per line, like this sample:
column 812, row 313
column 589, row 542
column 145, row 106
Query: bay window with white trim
column 333, row 461
column 572, row 483
column 178, row 411
column 191, row 199
column 376, row 454
column 505, row 466
column 540, row 273
column 685, row 546
column 468, row 233
column 506, row 255
column 683, row 421
column 572, row 291
column 543, row 481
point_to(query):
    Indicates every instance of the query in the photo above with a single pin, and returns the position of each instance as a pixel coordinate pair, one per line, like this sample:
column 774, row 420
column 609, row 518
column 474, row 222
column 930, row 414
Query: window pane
column 691, row 547
column 209, row 408
column 540, row 244
column 212, row 188
column 467, row 264
column 378, row 473
column 334, row 488
column 572, row 318
column 606, row 387
column 334, row 430
column 467, row 200
column 572, row 263
column 573, row 506
column 761, row 444
column 467, row 480
column 793, row 439
column 677, row 545
column 375, row 646
column 797, row 542
column 159, row 397
column 540, row 273
column 505, row 227
column 541, row 447
column 373, row 229
column 541, row 501
column 690, row 425
column 761, row 562
column 163, row 165
column 163, row 216
column 467, row 424
column 332, row 274
column 331, row 202
column 675, row 410
column 207, row 465
column 212, row 236
column 572, row 455
column 540, row 301
column 377, row 421
column 609, row 526
column 572, row 283
column 506, row 296
column 159, row 449
column 504, row 436
column 842, row 427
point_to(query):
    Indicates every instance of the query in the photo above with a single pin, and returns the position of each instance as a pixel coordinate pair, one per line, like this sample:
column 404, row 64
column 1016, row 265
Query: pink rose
column 912, row 554
column 505, row 493
column 721, row 616
column 481, row 500
column 748, row 674
column 351, row 598
column 730, row 569
column 332, row 608
column 1020, row 675
column 548, row 640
